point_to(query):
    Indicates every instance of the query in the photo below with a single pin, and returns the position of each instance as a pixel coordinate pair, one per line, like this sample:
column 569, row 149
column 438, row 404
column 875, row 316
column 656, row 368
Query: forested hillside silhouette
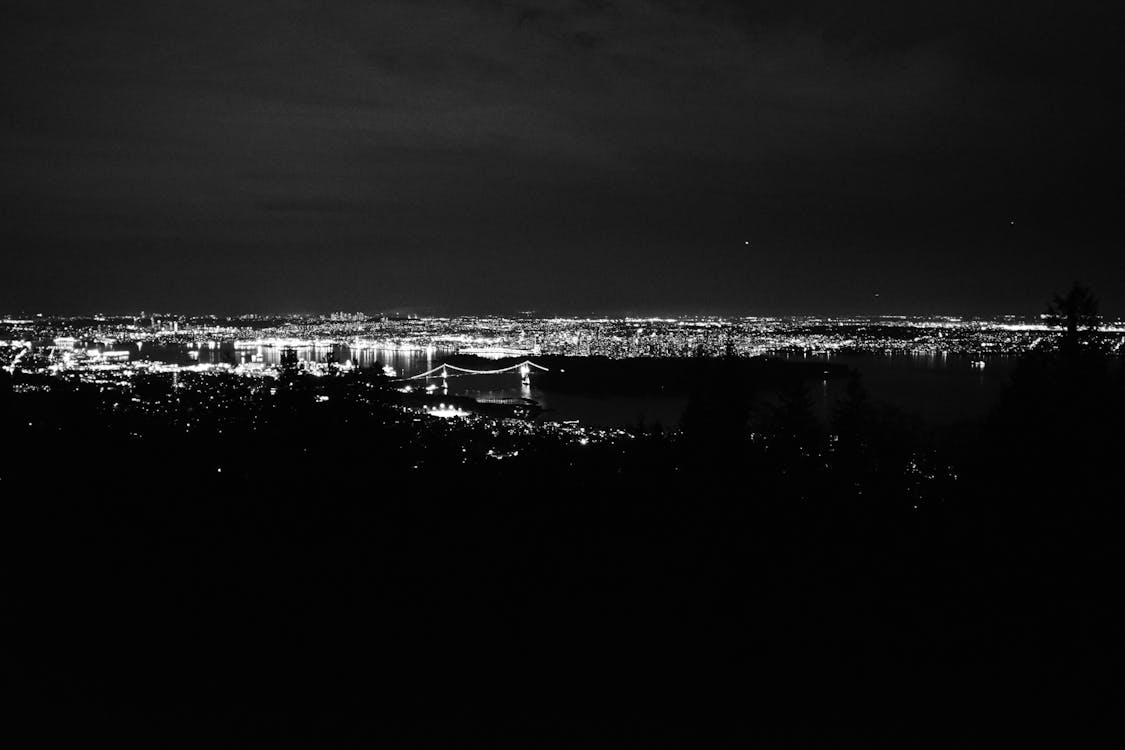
column 300, row 562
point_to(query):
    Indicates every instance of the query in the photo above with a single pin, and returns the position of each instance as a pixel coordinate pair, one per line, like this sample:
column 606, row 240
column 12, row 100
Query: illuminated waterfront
column 940, row 387
column 943, row 368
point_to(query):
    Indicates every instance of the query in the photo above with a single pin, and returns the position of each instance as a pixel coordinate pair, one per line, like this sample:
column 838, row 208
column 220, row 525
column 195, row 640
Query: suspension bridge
column 445, row 371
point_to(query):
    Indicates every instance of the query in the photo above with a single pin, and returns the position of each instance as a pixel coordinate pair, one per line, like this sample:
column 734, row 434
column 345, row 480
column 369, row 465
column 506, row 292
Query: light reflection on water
column 942, row 388
column 406, row 361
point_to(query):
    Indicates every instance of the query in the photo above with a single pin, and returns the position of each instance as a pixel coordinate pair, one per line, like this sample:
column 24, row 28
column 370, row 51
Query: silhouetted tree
column 729, row 350
column 288, row 367
column 851, row 427
column 792, row 420
column 1060, row 416
column 716, row 420
column 1076, row 312
column 794, row 441
column 5, row 392
column 852, row 415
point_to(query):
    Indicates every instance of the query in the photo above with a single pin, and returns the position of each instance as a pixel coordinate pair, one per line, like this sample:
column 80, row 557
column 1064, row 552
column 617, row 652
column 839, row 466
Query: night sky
column 561, row 156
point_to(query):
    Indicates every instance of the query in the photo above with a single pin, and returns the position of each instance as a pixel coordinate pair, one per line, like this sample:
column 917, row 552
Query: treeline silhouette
column 228, row 561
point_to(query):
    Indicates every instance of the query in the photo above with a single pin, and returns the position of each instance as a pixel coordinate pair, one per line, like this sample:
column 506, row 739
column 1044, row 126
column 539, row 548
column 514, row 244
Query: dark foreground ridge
column 257, row 567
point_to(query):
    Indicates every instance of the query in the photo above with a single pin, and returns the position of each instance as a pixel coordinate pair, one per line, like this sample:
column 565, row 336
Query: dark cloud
column 560, row 154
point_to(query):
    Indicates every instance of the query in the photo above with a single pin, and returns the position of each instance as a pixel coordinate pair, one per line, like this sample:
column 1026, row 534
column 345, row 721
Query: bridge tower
column 525, row 374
